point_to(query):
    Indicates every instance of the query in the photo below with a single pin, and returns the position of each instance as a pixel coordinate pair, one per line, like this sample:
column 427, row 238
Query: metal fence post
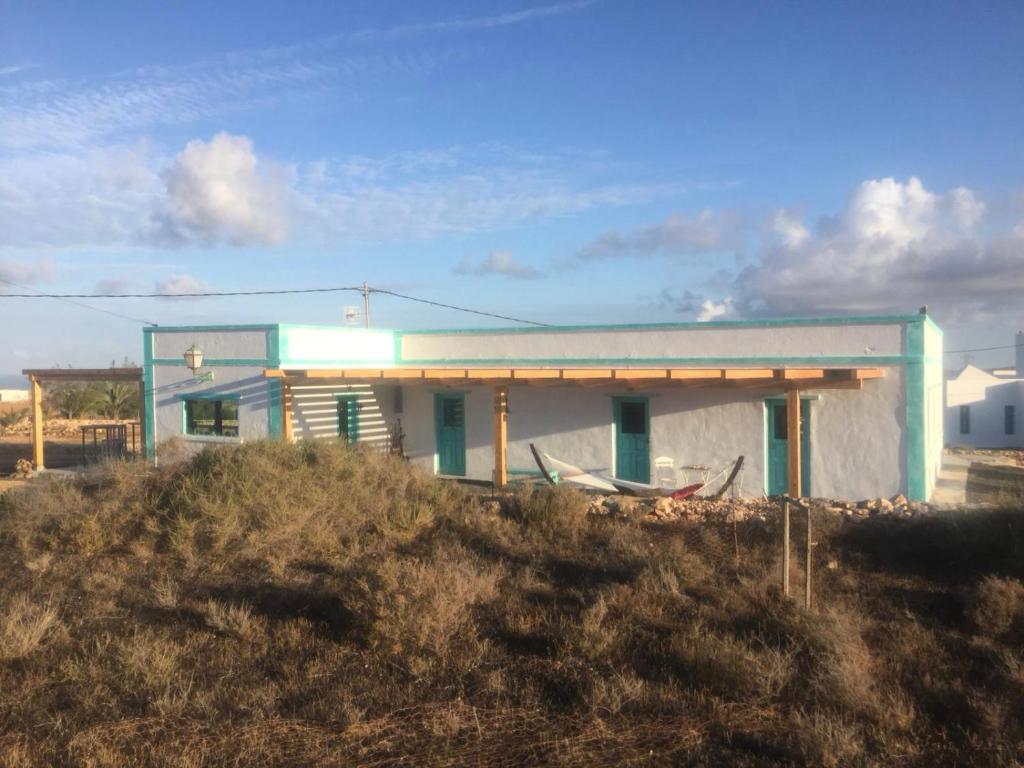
column 807, row 578
column 785, row 547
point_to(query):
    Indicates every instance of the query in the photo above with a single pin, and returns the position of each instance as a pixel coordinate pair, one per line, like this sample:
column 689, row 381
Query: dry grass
column 314, row 604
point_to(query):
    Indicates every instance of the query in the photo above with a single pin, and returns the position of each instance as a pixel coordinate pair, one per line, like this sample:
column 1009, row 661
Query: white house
column 983, row 408
column 13, row 395
column 469, row 402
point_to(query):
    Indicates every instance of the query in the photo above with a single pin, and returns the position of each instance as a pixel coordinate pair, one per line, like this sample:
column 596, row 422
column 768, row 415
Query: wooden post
column 793, row 480
column 286, row 412
column 807, row 577
column 37, row 424
column 142, row 419
column 785, row 547
column 500, row 436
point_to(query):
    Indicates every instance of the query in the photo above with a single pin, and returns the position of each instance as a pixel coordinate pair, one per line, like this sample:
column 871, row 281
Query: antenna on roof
column 351, row 315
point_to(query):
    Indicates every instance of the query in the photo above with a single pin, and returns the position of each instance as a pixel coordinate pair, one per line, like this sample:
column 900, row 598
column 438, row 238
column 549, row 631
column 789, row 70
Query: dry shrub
column 820, row 737
column 235, row 620
column 24, row 625
column 424, row 611
column 557, row 510
column 997, row 605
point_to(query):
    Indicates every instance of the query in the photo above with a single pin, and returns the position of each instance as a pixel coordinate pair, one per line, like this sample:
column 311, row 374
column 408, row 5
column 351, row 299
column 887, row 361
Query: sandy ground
column 60, row 452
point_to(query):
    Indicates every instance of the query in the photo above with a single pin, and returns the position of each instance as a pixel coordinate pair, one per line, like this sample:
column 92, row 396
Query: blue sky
column 574, row 161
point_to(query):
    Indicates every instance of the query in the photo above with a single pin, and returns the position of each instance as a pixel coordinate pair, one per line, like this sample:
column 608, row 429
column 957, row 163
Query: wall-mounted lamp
column 194, row 361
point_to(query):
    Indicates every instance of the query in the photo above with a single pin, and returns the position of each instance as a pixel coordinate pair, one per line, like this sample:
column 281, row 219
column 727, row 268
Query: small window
column 452, row 416
column 965, row 419
column 348, row 419
column 211, row 418
column 634, row 418
column 1009, row 419
column 780, row 422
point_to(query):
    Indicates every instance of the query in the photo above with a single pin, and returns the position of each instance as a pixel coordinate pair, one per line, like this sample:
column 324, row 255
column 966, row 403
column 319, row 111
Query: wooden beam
column 688, row 374
column 276, row 373
column 489, row 373
column 793, row 443
column 142, row 418
column 444, row 373
column 527, row 374
column 572, row 374
column 731, row 374
column 792, row 374
column 501, row 436
column 286, row 413
column 404, row 373
column 634, row 374
column 38, row 460
column 84, row 374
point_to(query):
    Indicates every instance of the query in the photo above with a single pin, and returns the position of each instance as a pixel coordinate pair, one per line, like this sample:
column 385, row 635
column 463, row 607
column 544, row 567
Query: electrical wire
column 66, row 300
column 70, row 298
column 460, row 309
column 982, row 349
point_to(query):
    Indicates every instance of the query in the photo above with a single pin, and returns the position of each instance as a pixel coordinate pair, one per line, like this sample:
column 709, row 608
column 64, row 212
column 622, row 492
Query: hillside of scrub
column 269, row 604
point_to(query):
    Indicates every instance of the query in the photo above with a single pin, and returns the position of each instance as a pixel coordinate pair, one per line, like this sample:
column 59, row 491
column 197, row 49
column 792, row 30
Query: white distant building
column 623, row 398
column 13, row 395
column 983, row 408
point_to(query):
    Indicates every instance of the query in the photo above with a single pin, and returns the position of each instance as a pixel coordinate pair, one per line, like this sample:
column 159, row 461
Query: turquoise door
column 450, row 425
column 348, row 419
column 776, row 428
column 632, row 439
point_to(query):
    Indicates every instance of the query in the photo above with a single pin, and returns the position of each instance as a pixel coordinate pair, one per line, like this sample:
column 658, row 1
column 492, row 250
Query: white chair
column 665, row 472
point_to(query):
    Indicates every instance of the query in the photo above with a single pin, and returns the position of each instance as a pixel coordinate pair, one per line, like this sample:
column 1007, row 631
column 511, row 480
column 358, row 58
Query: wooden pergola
column 38, row 376
column 792, row 380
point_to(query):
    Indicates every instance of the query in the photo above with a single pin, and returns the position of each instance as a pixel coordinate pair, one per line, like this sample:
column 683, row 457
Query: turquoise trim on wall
column 766, row 323
column 256, row 362
column 198, row 328
column 210, row 396
column 915, row 415
column 149, row 428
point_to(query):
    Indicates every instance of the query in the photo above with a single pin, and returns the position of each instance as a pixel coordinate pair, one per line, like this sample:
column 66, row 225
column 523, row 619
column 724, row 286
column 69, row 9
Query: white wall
column 711, row 341
column 13, row 395
column 986, row 395
column 170, row 383
column 856, row 435
column 240, row 344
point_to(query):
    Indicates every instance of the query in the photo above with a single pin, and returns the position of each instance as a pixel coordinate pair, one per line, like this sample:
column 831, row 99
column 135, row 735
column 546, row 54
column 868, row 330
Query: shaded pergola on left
column 39, row 376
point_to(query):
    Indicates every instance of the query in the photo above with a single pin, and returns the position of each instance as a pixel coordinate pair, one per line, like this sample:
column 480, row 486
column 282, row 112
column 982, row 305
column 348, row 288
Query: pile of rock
column 897, row 505
column 666, row 509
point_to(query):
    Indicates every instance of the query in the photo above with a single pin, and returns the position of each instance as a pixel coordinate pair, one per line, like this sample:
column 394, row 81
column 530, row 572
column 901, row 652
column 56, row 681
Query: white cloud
column 174, row 286
column 680, row 234
column 896, row 245
column 789, row 228
column 712, row 310
column 25, row 272
column 497, row 263
column 219, row 191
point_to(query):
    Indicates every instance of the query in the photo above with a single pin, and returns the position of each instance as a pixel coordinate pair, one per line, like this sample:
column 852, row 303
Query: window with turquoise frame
column 348, row 418
column 210, row 416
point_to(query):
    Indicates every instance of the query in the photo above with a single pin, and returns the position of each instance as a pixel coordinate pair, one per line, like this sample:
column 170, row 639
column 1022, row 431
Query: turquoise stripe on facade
column 179, row 362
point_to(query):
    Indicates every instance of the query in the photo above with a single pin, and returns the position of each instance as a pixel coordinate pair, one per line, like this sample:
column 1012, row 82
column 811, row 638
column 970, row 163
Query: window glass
column 217, row 418
column 781, row 424
column 1010, row 420
column 965, row 419
column 634, row 418
column 452, row 412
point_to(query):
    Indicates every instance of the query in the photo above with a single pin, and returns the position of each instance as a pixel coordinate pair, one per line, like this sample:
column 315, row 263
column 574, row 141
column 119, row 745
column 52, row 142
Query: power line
column 69, row 297
column 460, row 309
column 982, row 349
column 184, row 295
column 66, row 300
